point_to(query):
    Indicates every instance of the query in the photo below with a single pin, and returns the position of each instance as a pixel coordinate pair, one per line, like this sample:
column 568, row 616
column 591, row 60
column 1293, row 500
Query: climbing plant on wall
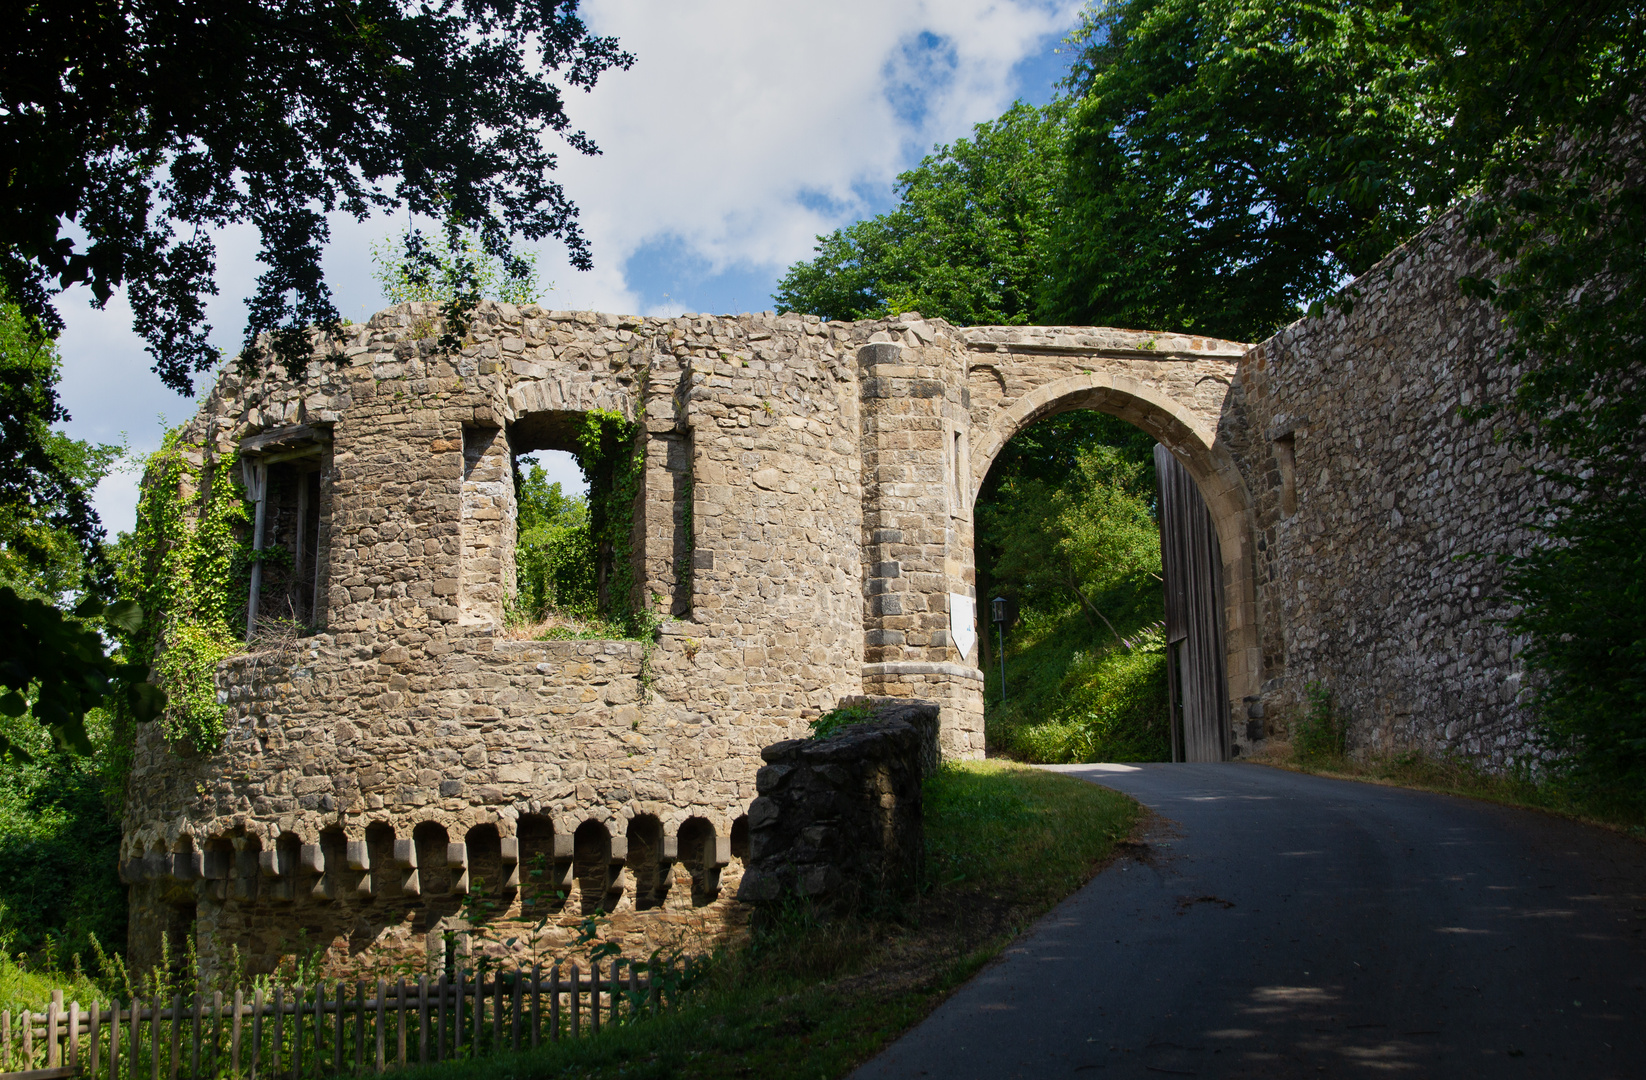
column 613, row 462
column 186, row 567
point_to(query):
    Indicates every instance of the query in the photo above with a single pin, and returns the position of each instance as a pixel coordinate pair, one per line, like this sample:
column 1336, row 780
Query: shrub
column 1321, row 735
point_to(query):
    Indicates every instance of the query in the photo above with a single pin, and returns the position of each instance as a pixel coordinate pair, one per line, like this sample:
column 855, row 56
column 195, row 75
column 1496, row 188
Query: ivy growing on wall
column 187, row 568
column 613, row 461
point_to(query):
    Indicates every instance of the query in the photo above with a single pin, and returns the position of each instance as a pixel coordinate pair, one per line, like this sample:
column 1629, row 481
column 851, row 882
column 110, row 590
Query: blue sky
column 744, row 129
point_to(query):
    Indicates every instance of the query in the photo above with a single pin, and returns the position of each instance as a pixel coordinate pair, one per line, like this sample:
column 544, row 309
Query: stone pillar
column 487, row 580
column 665, row 544
column 919, row 583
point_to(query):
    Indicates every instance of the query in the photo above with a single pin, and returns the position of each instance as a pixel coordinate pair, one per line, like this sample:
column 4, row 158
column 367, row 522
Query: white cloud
column 741, row 118
column 744, row 129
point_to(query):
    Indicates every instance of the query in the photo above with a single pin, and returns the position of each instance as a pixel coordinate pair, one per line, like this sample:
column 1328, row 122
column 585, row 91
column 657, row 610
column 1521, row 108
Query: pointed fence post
column 440, row 1021
column 382, row 993
column 423, row 1019
column 400, row 1024
column 554, row 1002
column 577, row 998
column 234, row 1032
column 256, row 1030
column 340, row 1001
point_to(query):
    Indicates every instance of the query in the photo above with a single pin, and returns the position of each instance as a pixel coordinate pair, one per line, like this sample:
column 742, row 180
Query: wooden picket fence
column 314, row 1031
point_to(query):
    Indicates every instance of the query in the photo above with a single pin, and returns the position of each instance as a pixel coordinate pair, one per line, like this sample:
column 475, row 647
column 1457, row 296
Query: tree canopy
column 966, row 242
column 132, row 129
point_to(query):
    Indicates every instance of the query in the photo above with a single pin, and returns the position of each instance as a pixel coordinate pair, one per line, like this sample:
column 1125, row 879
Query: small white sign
column 963, row 623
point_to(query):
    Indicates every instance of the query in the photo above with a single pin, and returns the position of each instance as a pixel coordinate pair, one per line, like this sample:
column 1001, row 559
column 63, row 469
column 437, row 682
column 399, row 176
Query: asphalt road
column 1280, row 925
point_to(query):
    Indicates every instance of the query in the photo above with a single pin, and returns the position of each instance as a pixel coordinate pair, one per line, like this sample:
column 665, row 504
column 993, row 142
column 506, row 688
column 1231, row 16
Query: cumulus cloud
column 744, row 129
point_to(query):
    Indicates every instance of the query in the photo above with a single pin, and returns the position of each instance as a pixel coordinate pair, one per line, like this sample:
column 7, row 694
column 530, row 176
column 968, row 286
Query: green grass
column 1455, row 775
column 1076, row 695
column 812, row 999
column 22, row 988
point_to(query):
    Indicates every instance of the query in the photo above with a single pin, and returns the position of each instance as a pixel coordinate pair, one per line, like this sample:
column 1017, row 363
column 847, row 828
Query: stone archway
column 1174, row 388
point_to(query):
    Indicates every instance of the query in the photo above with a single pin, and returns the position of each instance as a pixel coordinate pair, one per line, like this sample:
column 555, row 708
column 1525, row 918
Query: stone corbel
column 457, row 860
column 282, row 888
column 358, row 856
column 405, row 857
column 511, row 862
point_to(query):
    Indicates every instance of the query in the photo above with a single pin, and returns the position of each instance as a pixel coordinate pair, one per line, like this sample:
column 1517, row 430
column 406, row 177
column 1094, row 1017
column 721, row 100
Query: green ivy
column 187, row 570
column 613, row 460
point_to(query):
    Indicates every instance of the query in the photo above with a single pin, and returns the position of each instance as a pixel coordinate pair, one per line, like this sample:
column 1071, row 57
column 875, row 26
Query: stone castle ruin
column 803, row 531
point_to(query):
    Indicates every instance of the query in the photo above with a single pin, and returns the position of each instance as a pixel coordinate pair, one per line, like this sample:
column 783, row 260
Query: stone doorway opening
column 1146, row 685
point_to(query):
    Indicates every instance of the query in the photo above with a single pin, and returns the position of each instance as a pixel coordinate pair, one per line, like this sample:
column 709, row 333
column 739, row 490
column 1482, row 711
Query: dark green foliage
column 54, row 666
column 1065, row 530
column 1319, row 735
column 613, row 460
column 966, row 242
column 148, row 122
column 59, row 847
column 554, row 555
column 1573, row 224
column 1232, row 160
column 49, row 535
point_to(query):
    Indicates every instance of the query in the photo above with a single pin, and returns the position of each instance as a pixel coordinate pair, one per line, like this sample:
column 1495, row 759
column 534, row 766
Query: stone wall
column 1372, row 492
column 412, row 713
column 839, row 821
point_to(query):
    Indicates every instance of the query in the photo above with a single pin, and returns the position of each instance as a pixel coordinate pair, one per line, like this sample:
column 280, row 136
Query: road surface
column 1283, row 925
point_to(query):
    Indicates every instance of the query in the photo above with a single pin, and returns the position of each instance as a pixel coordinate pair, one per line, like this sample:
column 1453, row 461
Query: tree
column 131, row 129
column 1231, row 161
column 47, row 526
column 555, row 557
column 418, row 268
column 966, row 242
column 1563, row 206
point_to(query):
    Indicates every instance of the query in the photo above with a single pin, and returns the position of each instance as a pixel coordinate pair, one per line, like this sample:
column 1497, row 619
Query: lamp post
column 999, row 609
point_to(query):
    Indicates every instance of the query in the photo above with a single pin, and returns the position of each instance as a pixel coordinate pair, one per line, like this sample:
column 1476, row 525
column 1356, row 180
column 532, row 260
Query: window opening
column 582, row 549
column 1286, row 459
column 283, row 475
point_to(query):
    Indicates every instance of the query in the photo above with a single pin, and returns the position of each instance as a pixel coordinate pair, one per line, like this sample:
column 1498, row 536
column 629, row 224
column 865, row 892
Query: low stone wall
column 839, row 822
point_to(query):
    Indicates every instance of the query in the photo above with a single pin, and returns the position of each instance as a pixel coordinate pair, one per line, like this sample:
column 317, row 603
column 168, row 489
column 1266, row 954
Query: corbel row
column 288, row 869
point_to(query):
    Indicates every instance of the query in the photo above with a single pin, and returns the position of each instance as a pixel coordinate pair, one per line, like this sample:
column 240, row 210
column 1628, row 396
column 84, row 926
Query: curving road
column 1282, row 925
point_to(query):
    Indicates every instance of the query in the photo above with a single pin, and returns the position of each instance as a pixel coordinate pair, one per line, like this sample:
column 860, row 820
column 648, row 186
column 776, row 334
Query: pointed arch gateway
column 1176, row 394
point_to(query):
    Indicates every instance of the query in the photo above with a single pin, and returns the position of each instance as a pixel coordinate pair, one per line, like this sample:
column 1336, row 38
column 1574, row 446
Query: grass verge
column 813, row 999
column 1462, row 776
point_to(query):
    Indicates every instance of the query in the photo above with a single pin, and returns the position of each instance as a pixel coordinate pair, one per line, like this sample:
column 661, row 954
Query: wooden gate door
column 1192, row 565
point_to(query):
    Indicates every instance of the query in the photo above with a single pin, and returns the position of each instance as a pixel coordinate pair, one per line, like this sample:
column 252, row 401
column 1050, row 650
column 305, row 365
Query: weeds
column 842, row 716
column 1321, row 736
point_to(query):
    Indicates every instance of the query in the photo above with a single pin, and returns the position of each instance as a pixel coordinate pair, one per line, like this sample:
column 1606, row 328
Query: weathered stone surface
column 838, row 821
column 1371, row 490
